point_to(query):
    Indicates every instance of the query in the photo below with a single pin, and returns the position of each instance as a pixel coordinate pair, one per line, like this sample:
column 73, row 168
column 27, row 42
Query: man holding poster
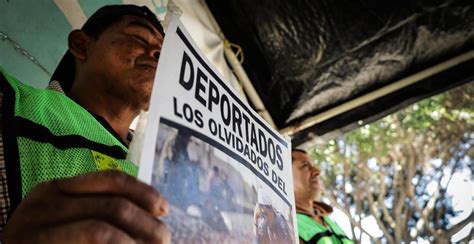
column 237, row 156
column 58, row 141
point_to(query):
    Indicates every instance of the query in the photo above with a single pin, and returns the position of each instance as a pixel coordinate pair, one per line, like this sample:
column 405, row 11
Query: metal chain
column 5, row 37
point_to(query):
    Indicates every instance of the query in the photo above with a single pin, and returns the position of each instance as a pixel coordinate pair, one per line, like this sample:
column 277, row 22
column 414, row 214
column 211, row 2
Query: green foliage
column 402, row 154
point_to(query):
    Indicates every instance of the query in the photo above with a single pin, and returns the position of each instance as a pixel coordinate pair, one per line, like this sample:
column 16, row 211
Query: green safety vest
column 47, row 136
column 312, row 232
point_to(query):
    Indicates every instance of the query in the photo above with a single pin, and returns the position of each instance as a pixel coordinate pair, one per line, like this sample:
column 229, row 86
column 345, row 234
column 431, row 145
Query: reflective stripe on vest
column 312, row 232
column 48, row 136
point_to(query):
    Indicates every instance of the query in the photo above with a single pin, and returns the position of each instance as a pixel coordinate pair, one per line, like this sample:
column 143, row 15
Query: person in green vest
column 63, row 173
column 312, row 215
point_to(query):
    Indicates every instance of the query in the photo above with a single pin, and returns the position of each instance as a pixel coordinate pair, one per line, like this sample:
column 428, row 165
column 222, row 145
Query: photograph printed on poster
column 213, row 198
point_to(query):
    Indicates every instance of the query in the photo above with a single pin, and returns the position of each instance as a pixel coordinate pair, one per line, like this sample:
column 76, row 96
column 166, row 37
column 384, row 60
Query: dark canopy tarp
column 305, row 57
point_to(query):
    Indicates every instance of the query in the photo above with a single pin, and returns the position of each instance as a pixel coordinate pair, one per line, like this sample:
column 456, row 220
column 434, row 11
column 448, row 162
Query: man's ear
column 77, row 44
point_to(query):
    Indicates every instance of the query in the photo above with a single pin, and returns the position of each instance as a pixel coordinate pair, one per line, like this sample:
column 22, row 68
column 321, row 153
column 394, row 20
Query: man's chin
column 315, row 189
column 146, row 106
column 143, row 96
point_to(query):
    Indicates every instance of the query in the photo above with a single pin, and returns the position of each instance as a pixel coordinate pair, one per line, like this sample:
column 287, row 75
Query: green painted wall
column 33, row 35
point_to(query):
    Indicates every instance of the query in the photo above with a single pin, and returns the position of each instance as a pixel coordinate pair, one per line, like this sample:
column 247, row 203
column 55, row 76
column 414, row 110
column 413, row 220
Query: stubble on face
column 125, row 49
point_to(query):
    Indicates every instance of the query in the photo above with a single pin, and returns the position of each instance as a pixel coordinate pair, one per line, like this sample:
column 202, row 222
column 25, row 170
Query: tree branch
column 399, row 196
column 372, row 209
column 345, row 172
column 352, row 220
column 380, row 199
column 457, row 227
column 424, row 213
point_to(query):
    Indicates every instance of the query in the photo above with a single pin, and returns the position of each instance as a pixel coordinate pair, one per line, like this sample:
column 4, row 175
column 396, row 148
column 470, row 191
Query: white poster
column 224, row 171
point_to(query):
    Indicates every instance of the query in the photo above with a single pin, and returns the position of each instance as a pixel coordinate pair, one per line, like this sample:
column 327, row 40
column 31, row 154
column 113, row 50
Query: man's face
column 306, row 181
column 124, row 58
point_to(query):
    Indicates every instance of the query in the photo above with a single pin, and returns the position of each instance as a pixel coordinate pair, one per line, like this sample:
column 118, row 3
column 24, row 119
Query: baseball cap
column 64, row 72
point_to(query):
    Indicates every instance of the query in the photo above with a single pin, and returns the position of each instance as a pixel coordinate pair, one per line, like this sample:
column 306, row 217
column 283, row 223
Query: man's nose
column 315, row 171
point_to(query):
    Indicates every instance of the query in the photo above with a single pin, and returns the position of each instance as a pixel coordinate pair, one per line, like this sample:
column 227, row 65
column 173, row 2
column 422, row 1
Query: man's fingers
column 86, row 231
column 53, row 206
column 117, row 183
column 115, row 210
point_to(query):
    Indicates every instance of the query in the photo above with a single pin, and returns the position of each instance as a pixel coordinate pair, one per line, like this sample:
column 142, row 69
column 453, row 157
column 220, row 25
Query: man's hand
column 102, row 207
